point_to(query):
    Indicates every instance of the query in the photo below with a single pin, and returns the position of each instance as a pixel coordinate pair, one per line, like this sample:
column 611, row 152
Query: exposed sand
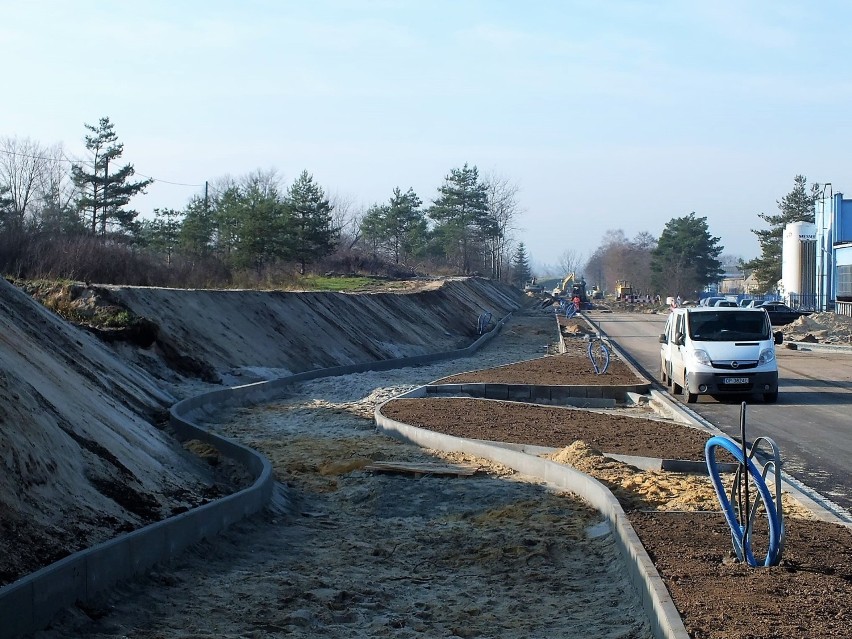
column 358, row 554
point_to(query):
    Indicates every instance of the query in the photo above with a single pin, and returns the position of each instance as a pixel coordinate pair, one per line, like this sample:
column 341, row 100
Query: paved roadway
column 811, row 423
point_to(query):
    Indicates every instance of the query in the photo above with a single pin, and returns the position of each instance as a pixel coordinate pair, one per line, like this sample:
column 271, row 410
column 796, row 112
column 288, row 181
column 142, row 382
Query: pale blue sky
column 606, row 115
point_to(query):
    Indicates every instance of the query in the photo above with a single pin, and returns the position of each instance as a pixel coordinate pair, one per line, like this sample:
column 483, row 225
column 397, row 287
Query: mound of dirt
column 824, row 328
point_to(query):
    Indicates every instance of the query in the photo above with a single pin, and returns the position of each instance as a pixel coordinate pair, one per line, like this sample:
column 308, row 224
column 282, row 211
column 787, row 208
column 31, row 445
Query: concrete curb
column 810, row 346
column 558, row 395
column 29, row 604
column 653, row 593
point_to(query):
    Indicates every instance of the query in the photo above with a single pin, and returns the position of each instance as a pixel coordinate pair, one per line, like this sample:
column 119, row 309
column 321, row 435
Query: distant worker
column 678, row 300
column 576, row 300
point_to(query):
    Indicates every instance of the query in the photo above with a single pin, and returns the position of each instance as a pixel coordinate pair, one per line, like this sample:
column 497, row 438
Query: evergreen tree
column 521, row 272
column 796, row 206
column 461, row 215
column 686, row 257
column 372, row 228
column 161, row 233
column 263, row 224
column 195, row 237
column 58, row 215
column 404, row 223
column 8, row 220
column 312, row 232
column 226, row 221
column 105, row 193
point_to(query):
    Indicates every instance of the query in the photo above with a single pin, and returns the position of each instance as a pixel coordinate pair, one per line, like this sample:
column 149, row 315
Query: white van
column 719, row 350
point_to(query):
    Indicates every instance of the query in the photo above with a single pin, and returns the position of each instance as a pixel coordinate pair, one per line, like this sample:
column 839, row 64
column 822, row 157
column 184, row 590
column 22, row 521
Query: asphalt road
column 811, row 423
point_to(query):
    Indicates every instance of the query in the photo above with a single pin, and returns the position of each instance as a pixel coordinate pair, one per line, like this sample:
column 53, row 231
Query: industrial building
column 816, row 267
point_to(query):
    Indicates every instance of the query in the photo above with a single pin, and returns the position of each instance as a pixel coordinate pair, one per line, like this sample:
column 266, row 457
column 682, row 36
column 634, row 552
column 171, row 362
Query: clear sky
column 606, row 114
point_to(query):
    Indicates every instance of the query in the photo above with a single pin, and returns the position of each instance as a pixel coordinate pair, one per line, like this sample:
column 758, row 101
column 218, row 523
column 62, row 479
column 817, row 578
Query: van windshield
column 727, row 326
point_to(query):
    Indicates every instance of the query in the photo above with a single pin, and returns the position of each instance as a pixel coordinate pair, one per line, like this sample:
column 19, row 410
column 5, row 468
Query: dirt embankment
column 80, row 455
column 83, row 453
column 236, row 337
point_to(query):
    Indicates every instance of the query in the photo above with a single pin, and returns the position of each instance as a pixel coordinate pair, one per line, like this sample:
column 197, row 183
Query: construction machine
column 623, row 290
column 572, row 286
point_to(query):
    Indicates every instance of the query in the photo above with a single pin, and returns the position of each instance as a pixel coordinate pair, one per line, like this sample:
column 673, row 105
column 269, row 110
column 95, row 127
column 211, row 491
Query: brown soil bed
column 570, row 368
column 549, row 426
column 808, row 595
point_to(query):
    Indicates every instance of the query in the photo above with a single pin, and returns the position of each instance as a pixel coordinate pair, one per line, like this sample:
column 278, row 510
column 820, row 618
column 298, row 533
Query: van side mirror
column 663, row 339
column 680, row 339
column 779, row 337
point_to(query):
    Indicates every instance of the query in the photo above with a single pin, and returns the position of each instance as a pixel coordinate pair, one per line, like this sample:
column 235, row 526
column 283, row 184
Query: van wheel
column 663, row 377
column 770, row 398
column 689, row 398
column 676, row 388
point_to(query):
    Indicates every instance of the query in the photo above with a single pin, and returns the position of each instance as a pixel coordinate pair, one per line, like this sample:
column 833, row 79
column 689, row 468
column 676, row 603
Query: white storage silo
column 798, row 263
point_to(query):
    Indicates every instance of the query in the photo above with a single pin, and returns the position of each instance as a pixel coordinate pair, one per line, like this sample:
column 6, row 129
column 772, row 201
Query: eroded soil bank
column 85, row 451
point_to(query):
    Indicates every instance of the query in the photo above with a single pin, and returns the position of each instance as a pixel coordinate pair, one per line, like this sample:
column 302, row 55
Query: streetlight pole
column 824, row 257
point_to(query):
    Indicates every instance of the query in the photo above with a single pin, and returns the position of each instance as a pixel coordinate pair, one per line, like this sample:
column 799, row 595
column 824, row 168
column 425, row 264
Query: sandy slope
column 83, row 453
column 358, row 554
column 80, row 457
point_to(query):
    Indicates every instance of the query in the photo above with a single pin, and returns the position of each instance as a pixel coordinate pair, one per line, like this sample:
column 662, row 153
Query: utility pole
column 104, row 194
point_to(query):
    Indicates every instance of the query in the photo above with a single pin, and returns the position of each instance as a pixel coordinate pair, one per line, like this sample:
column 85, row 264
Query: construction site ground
column 352, row 552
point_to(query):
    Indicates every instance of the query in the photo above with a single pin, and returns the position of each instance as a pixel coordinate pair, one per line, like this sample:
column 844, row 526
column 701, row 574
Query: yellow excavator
column 571, row 286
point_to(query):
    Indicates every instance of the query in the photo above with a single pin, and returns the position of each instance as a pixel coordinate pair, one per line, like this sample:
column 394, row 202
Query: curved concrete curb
column 29, row 604
column 653, row 593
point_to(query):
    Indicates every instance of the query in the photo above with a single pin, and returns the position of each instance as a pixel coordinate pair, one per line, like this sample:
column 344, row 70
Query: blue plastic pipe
column 741, row 533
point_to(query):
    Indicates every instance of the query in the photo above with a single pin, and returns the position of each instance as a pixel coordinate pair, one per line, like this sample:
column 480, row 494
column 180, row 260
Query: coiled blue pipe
column 599, row 370
column 741, row 533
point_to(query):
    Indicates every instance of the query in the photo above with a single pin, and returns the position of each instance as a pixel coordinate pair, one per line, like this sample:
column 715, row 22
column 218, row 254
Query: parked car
column 746, row 302
column 709, row 301
column 779, row 313
column 727, row 303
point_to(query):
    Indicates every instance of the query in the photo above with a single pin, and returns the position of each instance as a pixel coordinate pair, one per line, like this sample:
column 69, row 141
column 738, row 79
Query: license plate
column 735, row 380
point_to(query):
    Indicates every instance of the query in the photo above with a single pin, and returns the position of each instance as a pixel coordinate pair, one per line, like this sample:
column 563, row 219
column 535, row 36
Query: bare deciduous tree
column 620, row 258
column 503, row 208
column 571, row 261
column 23, row 163
column 346, row 217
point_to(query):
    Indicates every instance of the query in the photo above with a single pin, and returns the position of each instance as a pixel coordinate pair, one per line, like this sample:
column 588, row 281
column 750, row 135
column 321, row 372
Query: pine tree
column 7, row 209
column 404, row 223
column 521, row 272
column 686, row 257
column 461, row 214
column 196, row 232
column 312, row 232
column 105, row 194
column 796, row 206
column 372, row 228
column 161, row 233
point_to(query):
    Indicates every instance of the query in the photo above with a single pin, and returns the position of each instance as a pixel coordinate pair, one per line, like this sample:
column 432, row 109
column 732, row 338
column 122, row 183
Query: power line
column 64, row 158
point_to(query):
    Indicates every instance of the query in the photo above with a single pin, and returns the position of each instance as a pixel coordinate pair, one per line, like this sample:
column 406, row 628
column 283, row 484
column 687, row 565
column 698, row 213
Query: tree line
column 72, row 219
column 686, row 257
column 76, row 222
